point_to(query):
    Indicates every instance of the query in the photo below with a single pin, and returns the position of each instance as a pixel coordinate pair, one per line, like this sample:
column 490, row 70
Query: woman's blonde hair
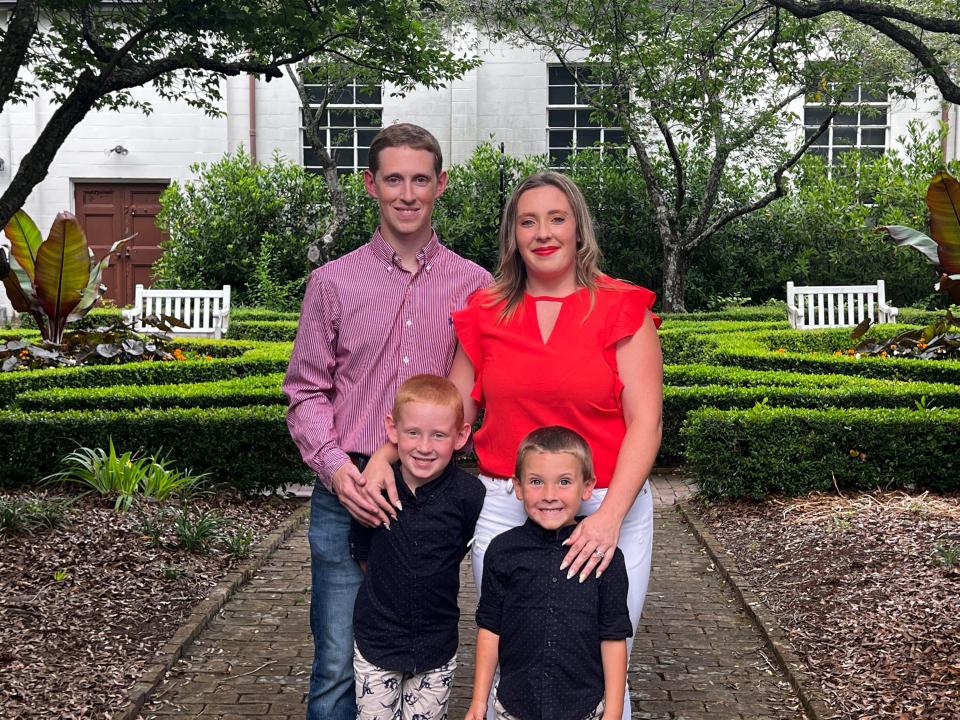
column 511, row 278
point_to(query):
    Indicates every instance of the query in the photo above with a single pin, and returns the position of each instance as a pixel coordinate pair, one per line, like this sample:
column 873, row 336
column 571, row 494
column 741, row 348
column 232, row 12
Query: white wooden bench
column 207, row 312
column 819, row 306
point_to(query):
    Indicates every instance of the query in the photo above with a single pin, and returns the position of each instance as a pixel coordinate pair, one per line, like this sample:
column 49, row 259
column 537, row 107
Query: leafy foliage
column 55, row 280
column 34, row 512
column 939, row 340
column 243, row 224
column 123, row 476
column 942, row 250
column 86, row 55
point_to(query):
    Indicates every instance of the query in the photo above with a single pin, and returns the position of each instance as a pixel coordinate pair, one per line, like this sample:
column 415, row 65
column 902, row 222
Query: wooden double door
column 111, row 211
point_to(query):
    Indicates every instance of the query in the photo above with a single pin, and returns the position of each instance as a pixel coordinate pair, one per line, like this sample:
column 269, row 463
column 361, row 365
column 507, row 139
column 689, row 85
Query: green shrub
column 263, row 330
column 256, row 359
column 251, row 390
column 248, row 448
column 245, row 225
column 261, row 314
column 679, row 402
column 754, row 453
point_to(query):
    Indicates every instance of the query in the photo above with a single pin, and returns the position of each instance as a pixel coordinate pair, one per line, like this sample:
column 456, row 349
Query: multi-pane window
column 571, row 122
column 352, row 118
column 860, row 125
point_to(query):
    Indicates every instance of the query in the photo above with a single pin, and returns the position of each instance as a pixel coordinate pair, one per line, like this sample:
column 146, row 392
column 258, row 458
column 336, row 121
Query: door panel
column 110, row 211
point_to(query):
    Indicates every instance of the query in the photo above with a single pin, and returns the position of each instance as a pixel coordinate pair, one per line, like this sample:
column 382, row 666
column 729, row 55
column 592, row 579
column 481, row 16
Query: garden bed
column 866, row 588
column 85, row 607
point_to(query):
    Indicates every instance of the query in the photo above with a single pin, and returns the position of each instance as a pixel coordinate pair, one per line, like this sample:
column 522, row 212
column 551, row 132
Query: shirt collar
column 550, row 536
column 385, row 252
column 425, row 493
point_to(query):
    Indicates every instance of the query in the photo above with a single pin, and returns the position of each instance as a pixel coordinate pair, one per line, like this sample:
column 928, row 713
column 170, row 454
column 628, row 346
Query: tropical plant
column 104, row 472
column 942, row 246
column 196, row 530
column 124, row 476
column 56, row 280
column 107, row 345
column 160, row 481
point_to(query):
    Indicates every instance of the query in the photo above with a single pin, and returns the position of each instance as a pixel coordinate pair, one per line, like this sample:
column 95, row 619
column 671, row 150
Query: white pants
column 405, row 696
column 502, row 511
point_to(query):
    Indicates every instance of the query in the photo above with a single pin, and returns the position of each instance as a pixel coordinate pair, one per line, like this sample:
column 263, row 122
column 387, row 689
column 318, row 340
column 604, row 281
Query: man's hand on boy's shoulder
column 347, row 485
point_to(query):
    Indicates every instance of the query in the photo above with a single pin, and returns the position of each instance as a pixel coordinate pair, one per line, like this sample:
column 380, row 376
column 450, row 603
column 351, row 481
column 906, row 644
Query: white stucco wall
column 504, row 100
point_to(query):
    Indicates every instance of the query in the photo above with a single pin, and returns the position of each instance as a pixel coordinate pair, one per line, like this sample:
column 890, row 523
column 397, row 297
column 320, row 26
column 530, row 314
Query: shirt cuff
column 328, row 463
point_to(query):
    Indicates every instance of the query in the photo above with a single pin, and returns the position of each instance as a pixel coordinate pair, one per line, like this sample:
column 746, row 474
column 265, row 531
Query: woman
column 555, row 342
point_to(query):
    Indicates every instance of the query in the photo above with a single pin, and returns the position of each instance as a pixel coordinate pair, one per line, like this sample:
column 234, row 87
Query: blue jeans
column 335, row 579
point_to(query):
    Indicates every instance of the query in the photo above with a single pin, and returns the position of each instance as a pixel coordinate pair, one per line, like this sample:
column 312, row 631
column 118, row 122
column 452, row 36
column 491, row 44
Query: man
column 370, row 320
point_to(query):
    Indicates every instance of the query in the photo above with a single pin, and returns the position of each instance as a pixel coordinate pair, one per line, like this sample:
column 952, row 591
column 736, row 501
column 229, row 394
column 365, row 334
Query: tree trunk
column 675, row 263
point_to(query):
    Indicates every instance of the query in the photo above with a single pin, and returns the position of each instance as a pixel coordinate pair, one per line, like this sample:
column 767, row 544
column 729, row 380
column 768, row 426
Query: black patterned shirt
column 406, row 615
column 550, row 627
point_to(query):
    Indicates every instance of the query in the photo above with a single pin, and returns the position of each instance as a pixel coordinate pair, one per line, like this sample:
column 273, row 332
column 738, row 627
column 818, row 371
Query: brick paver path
column 696, row 656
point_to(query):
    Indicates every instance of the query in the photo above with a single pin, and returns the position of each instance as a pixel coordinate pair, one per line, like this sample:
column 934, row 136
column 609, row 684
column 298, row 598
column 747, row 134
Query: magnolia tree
column 703, row 91
column 87, row 55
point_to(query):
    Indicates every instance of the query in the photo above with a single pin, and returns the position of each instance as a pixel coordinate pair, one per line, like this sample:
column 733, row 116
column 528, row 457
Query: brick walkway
column 696, row 656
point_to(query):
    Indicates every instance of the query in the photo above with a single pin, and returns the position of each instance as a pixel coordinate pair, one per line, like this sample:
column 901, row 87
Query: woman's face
column 547, row 235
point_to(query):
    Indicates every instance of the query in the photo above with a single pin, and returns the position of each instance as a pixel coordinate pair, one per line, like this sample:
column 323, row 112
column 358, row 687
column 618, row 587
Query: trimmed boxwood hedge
column 248, row 447
column 759, row 351
column 679, row 402
column 254, row 390
column 752, row 453
column 260, row 359
column 263, row 330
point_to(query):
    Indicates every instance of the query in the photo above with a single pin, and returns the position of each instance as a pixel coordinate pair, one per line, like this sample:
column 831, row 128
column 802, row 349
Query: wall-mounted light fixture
column 118, row 149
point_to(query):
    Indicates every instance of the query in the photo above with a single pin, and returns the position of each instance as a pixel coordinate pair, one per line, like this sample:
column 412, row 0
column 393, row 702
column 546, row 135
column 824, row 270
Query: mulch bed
column 867, row 587
column 72, row 642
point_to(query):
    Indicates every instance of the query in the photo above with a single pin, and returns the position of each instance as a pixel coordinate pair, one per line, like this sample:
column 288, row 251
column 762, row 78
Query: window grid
column 860, row 125
column 353, row 117
column 570, row 125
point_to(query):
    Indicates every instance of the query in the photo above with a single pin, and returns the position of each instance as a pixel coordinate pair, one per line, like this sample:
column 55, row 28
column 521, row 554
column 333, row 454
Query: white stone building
column 114, row 164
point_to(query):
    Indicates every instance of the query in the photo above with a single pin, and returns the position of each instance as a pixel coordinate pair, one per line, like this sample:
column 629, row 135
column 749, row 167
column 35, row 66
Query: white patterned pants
column 397, row 695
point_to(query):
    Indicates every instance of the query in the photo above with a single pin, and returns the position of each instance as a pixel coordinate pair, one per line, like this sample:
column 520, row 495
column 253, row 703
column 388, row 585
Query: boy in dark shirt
column 560, row 643
column 406, row 616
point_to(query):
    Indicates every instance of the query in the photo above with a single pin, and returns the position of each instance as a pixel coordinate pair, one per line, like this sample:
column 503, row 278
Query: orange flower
column 781, row 350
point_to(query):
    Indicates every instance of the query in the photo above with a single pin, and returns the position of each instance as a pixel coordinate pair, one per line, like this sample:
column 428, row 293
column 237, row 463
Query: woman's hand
column 377, row 478
column 592, row 545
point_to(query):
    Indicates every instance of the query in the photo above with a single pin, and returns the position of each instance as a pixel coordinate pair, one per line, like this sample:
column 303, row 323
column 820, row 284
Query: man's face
column 551, row 488
column 426, row 435
column 406, row 186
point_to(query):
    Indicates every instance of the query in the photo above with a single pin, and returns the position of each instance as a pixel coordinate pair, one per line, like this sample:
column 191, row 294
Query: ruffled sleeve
column 630, row 306
column 467, row 325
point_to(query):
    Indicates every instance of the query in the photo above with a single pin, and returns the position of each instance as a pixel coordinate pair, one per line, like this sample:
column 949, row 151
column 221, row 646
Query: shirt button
column 409, row 322
column 553, row 579
column 406, row 360
column 429, row 268
column 550, row 610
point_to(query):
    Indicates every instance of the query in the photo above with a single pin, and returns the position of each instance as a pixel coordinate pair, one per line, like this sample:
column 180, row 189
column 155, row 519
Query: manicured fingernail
column 399, row 506
column 583, row 577
column 599, row 573
column 563, row 565
column 569, row 574
column 386, row 524
column 566, row 542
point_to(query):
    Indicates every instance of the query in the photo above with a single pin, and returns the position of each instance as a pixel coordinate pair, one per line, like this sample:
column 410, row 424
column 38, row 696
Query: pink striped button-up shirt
column 365, row 327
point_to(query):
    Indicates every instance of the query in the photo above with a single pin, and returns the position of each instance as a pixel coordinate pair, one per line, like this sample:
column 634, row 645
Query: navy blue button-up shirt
column 550, row 628
column 406, row 615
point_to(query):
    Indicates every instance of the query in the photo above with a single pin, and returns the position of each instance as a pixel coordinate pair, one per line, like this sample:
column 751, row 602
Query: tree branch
column 778, row 190
column 815, row 8
column 16, row 43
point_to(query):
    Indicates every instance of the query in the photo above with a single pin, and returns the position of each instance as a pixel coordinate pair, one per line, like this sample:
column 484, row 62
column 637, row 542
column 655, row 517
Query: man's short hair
column 431, row 389
column 556, row 439
column 405, row 135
